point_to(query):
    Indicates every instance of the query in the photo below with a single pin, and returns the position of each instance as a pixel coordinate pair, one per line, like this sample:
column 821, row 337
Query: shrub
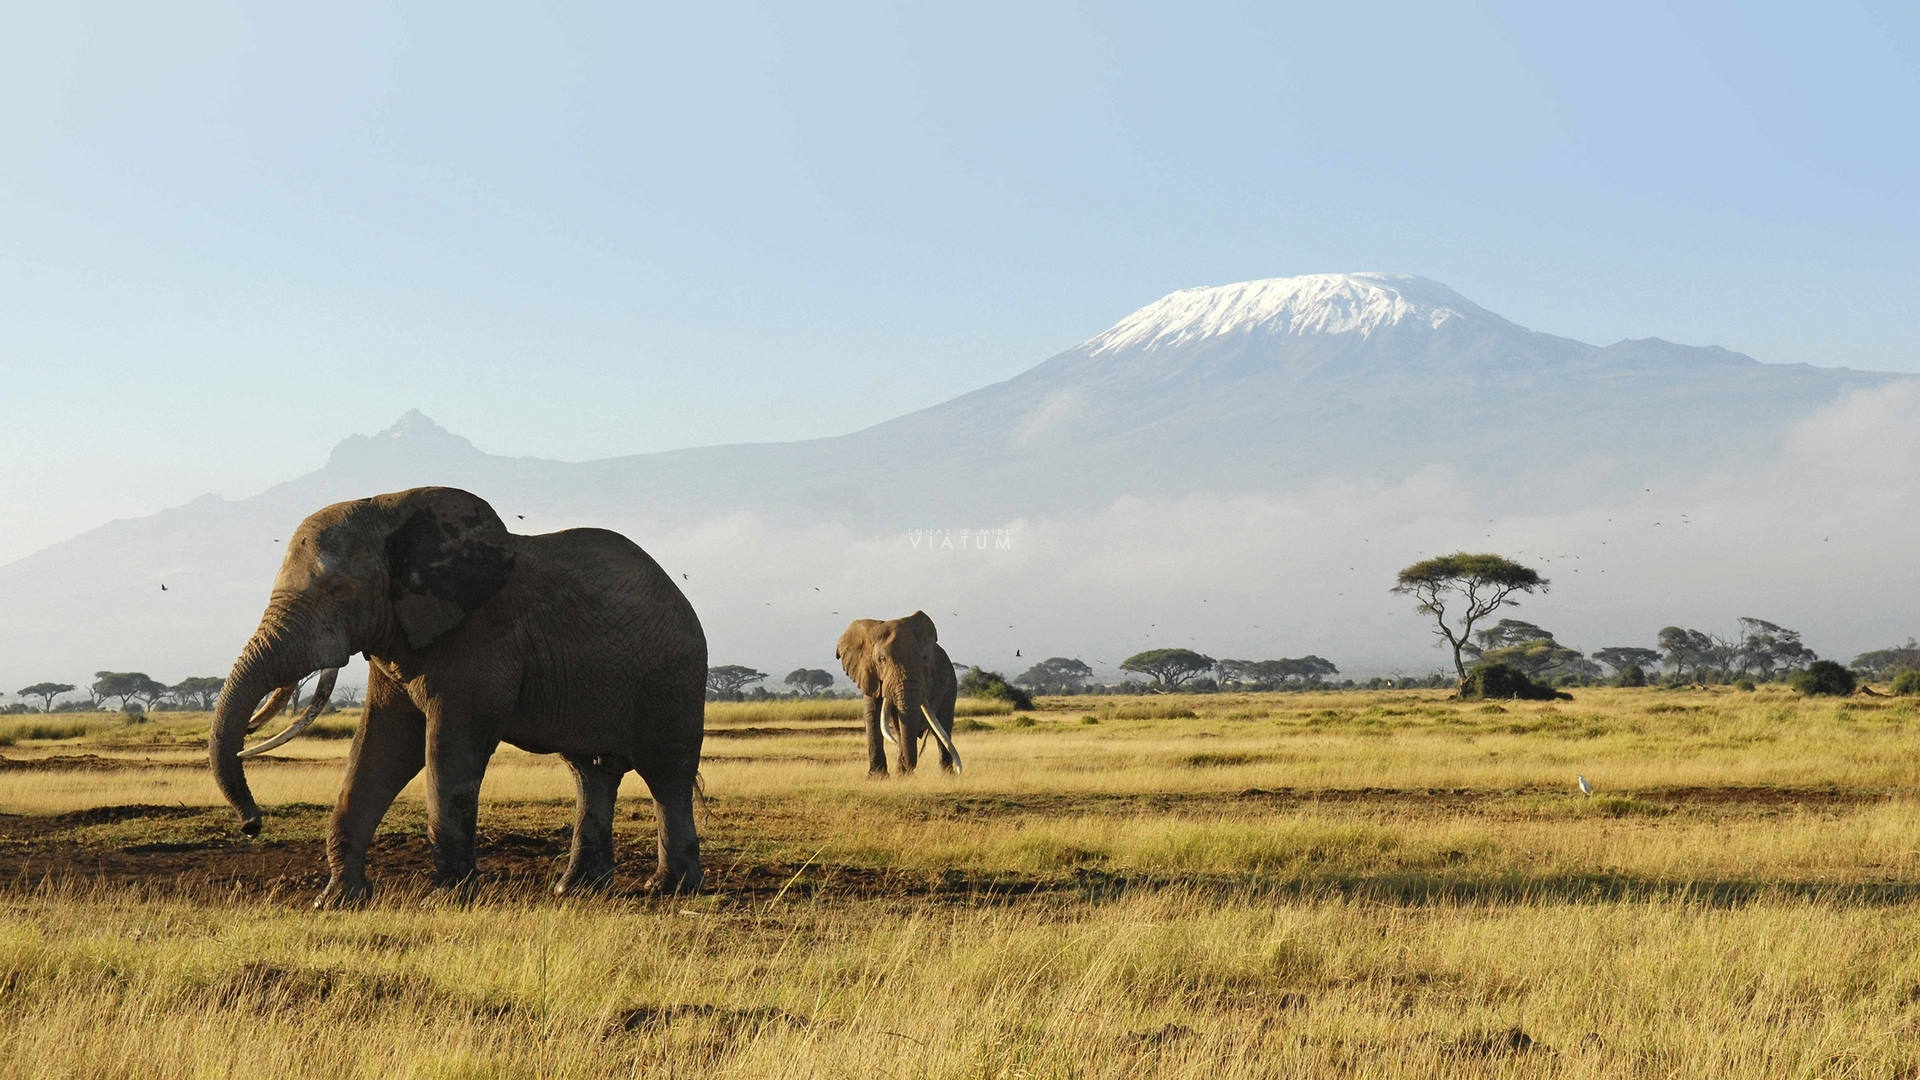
column 1907, row 682
column 992, row 684
column 1824, row 677
column 1745, row 684
column 1502, row 682
column 1632, row 675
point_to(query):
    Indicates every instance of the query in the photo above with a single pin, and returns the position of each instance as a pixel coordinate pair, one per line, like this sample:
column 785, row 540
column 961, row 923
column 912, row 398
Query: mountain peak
column 412, row 424
column 413, row 437
column 1358, row 303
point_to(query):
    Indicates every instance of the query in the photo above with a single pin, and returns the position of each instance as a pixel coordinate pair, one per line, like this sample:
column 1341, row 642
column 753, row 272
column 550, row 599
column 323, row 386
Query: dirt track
column 197, row 851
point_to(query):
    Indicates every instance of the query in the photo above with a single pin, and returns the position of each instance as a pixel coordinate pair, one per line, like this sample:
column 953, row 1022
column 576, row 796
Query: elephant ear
column 445, row 560
column 922, row 623
column 854, row 650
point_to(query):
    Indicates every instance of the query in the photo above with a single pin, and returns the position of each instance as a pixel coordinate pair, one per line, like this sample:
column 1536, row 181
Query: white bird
column 1585, row 788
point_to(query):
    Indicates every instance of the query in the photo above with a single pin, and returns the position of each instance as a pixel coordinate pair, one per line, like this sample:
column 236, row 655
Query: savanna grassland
column 1341, row 884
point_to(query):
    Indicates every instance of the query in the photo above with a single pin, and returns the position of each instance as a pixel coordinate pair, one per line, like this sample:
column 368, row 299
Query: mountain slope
column 1257, row 387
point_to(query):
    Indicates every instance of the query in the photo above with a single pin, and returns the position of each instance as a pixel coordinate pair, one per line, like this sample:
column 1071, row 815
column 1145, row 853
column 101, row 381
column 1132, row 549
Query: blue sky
column 230, row 235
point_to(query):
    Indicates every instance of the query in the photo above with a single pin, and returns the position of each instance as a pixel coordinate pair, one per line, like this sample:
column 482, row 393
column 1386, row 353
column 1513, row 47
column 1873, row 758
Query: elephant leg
column 677, row 842
column 596, row 785
column 457, row 756
column 389, row 749
column 876, row 745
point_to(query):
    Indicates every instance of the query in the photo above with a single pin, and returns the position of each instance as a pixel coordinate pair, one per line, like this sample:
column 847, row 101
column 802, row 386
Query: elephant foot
column 339, row 895
column 877, row 773
column 579, row 881
column 682, row 881
column 457, row 879
column 453, row 892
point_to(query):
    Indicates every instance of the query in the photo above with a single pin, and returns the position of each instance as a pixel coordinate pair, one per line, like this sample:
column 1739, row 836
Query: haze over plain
column 1238, row 469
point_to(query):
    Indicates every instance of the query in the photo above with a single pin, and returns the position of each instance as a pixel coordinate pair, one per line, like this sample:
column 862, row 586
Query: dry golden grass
column 1377, row 885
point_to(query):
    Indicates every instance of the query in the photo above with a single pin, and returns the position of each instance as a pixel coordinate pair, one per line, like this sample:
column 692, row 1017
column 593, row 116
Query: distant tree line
column 1758, row 651
column 138, row 692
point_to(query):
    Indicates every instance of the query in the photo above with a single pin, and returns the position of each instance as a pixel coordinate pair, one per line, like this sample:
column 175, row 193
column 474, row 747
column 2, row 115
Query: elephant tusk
column 946, row 740
column 274, row 704
column 885, row 731
column 322, row 694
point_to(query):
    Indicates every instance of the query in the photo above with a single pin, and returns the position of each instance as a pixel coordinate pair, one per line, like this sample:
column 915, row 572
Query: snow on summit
column 1307, row 304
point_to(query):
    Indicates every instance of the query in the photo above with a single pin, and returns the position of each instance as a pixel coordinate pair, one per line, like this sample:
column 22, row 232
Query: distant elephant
column 573, row 643
column 905, row 674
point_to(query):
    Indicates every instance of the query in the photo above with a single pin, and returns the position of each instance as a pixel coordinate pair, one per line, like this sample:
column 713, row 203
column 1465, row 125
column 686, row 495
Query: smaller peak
column 412, row 437
column 413, row 422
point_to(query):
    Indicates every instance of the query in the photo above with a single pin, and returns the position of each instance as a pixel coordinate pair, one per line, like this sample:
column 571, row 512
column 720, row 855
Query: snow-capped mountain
column 1262, row 388
column 1308, row 304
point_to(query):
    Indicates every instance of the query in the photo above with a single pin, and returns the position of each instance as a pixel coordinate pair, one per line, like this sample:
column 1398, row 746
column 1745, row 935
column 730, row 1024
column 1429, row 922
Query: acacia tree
column 1170, row 668
column 729, row 679
column 1877, row 664
column 1622, row 657
column 1056, row 675
column 1529, row 648
column 1709, row 657
column 128, row 686
column 1273, row 674
column 808, row 681
column 1769, row 649
column 46, row 692
column 199, row 690
column 1474, row 585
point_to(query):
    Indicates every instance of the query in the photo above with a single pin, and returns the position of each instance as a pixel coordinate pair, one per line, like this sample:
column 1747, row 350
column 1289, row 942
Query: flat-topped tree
column 1622, row 657
column 46, row 692
column 1877, row 664
column 128, row 686
column 1475, row 586
column 1056, row 675
column 198, row 691
column 729, row 679
column 1170, row 668
column 809, row 681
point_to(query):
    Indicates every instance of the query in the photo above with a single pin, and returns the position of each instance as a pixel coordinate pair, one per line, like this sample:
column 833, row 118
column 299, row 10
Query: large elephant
column 573, row 643
column 905, row 674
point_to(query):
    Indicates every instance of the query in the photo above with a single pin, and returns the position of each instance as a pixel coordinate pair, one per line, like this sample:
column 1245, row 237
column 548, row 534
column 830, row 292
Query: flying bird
column 683, row 577
column 163, row 586
column 1016, row 652
column 1585, row 788
column 522, row 517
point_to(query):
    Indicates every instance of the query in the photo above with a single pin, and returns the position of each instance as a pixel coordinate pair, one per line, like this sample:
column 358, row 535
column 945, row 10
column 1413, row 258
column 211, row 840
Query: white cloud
column 1820, row 539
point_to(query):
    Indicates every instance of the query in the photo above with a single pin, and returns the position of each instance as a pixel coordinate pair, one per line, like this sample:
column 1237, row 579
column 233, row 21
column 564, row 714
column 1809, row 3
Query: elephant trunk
column 273, row 659
column 905, row 694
